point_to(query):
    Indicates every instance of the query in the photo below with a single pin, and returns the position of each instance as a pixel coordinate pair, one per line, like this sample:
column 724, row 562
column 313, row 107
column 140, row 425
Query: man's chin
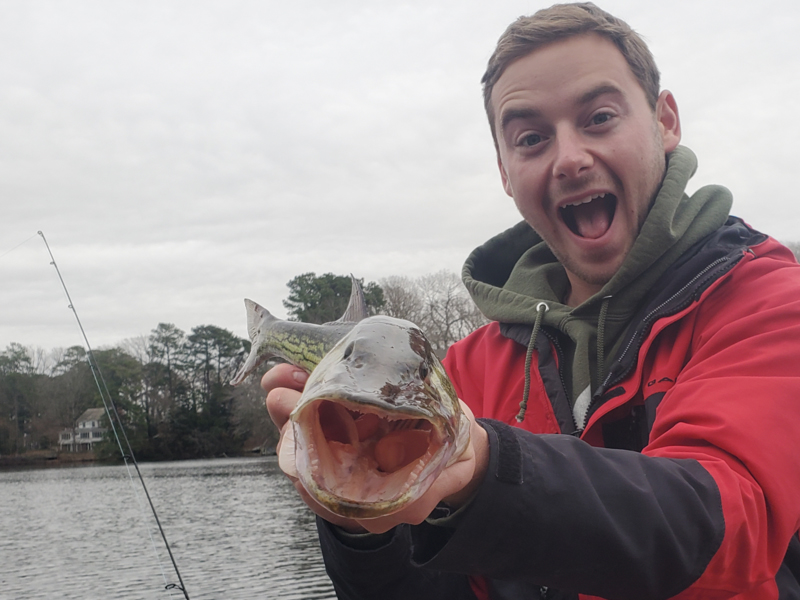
column 588, row 276
column 595, row 267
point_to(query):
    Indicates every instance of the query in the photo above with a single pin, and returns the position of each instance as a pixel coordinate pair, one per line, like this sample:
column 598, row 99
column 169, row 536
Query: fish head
column 378, row 420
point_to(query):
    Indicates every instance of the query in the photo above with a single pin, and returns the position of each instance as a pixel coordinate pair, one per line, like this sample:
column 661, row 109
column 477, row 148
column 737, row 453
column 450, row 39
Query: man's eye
column 600, row 118
column 530, row 140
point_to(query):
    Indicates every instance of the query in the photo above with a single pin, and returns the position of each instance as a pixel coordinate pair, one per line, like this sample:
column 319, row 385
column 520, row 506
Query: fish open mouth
column 590, row 218
column 362, row 462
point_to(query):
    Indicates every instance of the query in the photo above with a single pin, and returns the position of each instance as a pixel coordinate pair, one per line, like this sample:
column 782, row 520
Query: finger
column 477, row 456
column 280, row 404
column 284, row 375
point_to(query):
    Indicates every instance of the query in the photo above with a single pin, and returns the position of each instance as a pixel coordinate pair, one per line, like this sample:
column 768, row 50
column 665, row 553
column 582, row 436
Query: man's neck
column 580, row 291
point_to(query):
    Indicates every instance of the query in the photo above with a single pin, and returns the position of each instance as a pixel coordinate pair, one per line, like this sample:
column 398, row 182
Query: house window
column 85, row 435
column 97, row 434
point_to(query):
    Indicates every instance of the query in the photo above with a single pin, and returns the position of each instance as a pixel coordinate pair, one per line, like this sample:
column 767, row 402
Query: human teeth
column 587, row 199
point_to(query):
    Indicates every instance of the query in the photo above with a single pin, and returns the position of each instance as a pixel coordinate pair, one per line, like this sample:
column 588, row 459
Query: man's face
column 582, row 152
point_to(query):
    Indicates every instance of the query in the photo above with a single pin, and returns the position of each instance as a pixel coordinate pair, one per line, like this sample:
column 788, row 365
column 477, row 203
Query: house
column 87, row 432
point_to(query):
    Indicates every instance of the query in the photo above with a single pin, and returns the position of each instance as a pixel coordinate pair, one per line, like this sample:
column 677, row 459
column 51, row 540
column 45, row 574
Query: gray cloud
column 180, row 156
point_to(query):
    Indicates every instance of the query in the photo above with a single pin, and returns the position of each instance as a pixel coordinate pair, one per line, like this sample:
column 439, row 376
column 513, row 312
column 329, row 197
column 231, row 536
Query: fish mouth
column 590, row 217
column 361, row 461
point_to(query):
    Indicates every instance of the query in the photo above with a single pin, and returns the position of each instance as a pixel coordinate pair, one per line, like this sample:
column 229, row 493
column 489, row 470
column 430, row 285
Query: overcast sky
column 182, row 155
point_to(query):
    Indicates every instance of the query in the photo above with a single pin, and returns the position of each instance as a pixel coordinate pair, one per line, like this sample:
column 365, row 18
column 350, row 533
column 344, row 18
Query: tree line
column 171, row 388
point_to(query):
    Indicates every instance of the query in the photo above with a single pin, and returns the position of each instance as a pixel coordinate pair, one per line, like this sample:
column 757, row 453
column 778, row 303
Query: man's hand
column 455, row 485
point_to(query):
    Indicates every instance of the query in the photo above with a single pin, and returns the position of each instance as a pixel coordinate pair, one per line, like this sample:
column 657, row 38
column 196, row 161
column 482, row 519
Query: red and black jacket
column 685, row 481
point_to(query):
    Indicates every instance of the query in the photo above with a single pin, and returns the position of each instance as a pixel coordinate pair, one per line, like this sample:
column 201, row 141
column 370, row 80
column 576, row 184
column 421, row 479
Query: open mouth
column 591, row 217
column 386, row 444
column 355, row 460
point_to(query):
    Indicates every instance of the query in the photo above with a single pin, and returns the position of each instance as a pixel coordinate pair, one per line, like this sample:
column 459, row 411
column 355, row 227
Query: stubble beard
column 597, row 278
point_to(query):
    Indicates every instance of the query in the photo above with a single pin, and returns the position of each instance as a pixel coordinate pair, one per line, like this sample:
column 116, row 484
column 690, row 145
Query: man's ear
column 504, row 176
column 669, row 121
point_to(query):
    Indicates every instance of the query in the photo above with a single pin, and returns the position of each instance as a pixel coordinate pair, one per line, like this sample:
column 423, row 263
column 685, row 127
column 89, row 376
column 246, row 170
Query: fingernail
column 300, row 376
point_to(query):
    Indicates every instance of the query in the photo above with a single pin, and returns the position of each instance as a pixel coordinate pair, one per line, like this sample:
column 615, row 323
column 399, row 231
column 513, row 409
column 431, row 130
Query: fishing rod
column 111, row 411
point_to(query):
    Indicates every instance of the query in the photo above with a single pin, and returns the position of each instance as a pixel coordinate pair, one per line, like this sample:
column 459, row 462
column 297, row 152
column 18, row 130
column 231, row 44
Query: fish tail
column 257, row 318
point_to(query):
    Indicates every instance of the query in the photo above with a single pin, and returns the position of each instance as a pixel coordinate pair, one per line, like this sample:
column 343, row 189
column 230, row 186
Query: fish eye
column 349, row 350
column 424, row 371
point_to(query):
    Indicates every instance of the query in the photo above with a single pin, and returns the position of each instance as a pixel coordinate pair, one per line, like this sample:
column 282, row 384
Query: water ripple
column 236, row 528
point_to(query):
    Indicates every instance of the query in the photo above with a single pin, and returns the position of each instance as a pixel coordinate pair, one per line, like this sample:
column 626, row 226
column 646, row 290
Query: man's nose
column 572, row 154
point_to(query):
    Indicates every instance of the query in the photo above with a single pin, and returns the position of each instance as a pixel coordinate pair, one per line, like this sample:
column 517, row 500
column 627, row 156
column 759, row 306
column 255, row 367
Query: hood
column 515, row 271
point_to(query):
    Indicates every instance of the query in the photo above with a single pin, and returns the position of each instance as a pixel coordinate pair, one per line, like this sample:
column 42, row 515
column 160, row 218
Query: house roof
column 92, row 414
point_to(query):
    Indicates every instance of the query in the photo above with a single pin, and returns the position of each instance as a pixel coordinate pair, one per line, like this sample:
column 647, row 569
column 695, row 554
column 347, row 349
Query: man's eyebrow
column 529, row 113
column 600, row 90
column 517, row 113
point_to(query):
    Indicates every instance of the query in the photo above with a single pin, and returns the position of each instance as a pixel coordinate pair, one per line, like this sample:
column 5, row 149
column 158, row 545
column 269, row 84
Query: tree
column 171, row 390
column 215, row 354
column 166, row 343
column 16, row 358
column 448, row 312
column 204, row 426
column 73, row 387
column 16, row 396
column 324, row 298
column 402, row 298
column 438, row 303
column 120, row 377
column 252, row 422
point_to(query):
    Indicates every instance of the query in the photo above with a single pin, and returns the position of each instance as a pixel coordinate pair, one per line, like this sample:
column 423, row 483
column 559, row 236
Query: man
column 639, row 387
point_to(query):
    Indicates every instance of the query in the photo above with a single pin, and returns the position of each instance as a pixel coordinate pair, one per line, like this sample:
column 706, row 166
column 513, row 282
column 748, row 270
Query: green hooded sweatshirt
column 514, row 272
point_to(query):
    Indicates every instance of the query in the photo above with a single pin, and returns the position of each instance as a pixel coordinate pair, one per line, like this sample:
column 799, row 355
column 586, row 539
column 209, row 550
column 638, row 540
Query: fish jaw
column 361, row 462
column 377, row 422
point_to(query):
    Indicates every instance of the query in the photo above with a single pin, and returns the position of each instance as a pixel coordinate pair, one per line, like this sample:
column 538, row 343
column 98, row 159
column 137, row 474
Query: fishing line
column 18, row 245
column 111, row 411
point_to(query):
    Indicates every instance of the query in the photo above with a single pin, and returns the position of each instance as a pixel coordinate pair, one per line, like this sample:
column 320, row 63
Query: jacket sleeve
column 385, row 572
column 559, row 513
column 735, row 408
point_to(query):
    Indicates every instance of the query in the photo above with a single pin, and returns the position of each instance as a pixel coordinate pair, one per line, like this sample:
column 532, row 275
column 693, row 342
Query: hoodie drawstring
column 601, row 340
column 541, row 308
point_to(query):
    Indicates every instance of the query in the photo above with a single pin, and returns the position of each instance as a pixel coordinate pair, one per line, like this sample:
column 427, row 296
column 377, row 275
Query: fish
column 378, row 419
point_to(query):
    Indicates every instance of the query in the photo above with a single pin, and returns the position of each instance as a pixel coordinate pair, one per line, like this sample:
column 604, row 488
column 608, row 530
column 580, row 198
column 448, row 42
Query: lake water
column 236, row 528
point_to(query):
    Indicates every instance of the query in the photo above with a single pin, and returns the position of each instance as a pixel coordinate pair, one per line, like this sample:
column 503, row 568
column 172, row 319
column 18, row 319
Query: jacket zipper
column 649, row 319
column 560, row 354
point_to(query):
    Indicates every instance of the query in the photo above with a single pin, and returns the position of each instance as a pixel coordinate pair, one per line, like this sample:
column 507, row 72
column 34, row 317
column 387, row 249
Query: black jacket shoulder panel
column 681, row 284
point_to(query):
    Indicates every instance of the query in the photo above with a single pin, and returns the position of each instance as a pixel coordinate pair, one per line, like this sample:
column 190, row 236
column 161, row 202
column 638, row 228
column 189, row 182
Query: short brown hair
column 561, row 21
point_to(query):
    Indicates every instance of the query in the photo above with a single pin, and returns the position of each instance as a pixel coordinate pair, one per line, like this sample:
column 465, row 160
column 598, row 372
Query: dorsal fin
column 357, row 306
column 256, row 315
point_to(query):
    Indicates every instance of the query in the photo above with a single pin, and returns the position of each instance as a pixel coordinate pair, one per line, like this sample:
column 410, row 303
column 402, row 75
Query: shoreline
column 45, row 458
